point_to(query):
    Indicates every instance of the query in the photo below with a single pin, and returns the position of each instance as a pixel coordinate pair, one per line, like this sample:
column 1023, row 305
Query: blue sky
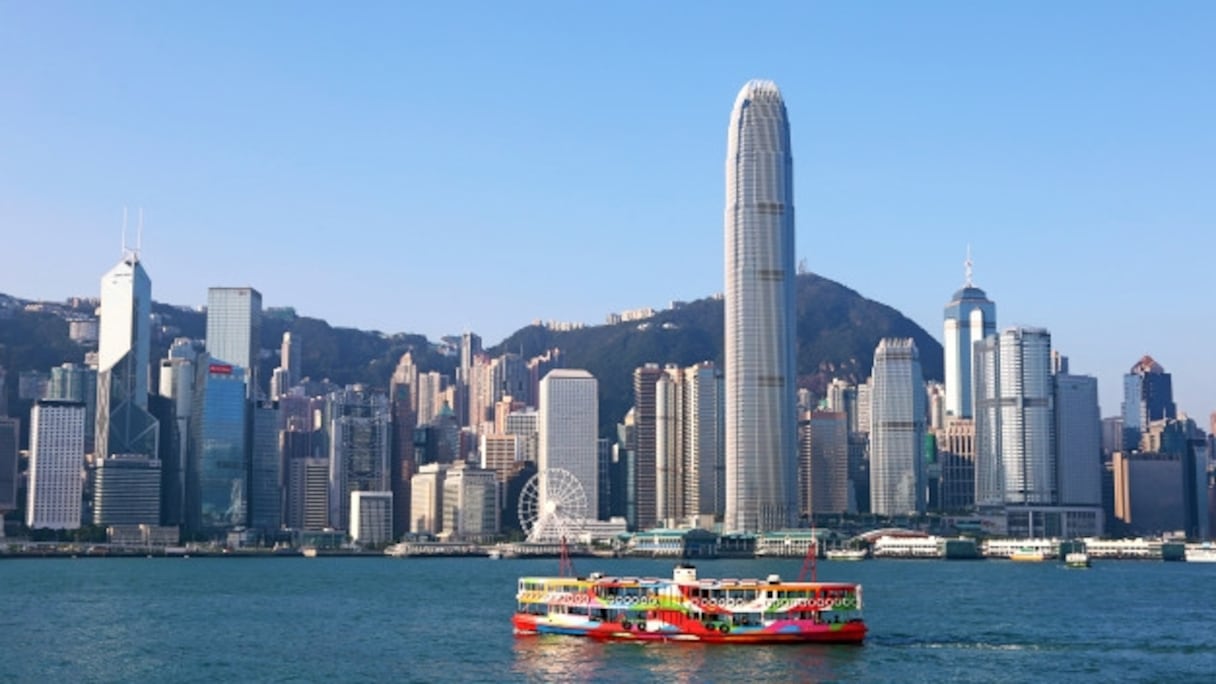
column 443, row 167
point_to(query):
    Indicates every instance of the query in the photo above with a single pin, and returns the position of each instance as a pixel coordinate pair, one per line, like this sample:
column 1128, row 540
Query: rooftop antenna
column 124, row 232
column 139, row 235
column 967, row 267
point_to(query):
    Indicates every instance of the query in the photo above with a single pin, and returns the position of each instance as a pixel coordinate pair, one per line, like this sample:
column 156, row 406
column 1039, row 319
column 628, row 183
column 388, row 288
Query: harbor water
column 448, row 619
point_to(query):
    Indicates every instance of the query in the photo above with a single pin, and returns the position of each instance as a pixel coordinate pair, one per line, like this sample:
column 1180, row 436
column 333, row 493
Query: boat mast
column 812, row 553
column 565, row 566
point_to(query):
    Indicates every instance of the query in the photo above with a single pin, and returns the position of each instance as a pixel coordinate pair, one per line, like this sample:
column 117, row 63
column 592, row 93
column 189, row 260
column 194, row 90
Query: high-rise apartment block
column 689, row 444
column 704, row 456
column 645, row 408
column 290, row 355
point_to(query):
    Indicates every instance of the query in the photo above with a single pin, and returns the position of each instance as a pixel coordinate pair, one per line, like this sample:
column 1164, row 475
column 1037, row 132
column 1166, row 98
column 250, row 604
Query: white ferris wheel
column 553, row 506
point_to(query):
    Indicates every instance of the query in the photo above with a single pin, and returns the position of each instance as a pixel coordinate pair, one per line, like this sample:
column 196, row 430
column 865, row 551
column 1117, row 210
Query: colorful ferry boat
column 685, row 608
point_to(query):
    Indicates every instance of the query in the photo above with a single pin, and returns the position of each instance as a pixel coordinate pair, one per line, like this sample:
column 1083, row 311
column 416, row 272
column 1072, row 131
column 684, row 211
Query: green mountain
column 838, row 330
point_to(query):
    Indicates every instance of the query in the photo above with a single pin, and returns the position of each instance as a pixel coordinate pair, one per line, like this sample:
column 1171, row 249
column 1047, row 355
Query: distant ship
column 1077, row 559
column 685, row 608
column 1201, row 553
column 1028, row 555
column 846, row 554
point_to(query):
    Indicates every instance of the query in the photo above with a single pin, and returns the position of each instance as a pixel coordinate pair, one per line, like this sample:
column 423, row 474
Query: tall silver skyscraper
column 124, row 425
column 897, row 430
column 568, row 424
column 1014, row 419
column 970, row 317
column 761, row 429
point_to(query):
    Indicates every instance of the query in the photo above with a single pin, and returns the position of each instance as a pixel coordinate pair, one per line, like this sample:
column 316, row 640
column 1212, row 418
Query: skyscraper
column 956, row 453
column 568, row 423
column 9, row 431
column 429, row 387
column 307, row 492
column 897, row 430
column 467, row 384
column 1014, row 420
column 426, row 499
column 688, row 444
column 970, row 317
column 645, row 379
column 470, row 503
column 289, row 360
column 265, row 469
column 761, row 430
column 76, row 382
column 359, row 426
column 124, row 425
column 56, row 462
column 1148, row 395
column 824, row 463
column 218, row 460
column 1078, row 430
column 177, row 378
column 705, row 490
column 234, row 329
column 668, row 447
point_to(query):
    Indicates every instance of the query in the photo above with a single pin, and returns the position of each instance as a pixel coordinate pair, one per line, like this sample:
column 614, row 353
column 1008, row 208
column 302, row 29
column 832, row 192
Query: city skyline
column 1066, row 156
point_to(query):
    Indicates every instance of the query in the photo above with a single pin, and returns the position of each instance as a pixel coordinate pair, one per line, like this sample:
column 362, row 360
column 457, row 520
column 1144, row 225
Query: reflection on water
column 559, row 658
column 564, row 658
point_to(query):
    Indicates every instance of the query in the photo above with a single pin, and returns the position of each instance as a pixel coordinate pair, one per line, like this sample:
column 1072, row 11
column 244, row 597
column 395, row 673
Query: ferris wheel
column 552, row 506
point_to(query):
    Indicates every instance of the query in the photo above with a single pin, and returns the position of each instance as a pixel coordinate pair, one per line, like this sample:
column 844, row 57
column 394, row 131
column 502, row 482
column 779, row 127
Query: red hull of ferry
column 853, row 632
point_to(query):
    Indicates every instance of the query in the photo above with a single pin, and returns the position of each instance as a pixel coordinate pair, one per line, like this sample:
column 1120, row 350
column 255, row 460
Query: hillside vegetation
column 838, row 330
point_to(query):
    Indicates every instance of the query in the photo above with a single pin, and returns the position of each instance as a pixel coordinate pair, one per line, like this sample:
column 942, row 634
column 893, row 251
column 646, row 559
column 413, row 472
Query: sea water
column 448, row 619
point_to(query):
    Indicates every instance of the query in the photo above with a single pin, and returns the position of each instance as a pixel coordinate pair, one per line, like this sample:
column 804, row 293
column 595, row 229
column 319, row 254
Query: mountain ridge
column 837, row 331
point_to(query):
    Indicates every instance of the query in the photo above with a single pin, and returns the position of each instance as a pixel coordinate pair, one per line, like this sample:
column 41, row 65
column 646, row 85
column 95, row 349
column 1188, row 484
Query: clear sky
column 454, row 166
